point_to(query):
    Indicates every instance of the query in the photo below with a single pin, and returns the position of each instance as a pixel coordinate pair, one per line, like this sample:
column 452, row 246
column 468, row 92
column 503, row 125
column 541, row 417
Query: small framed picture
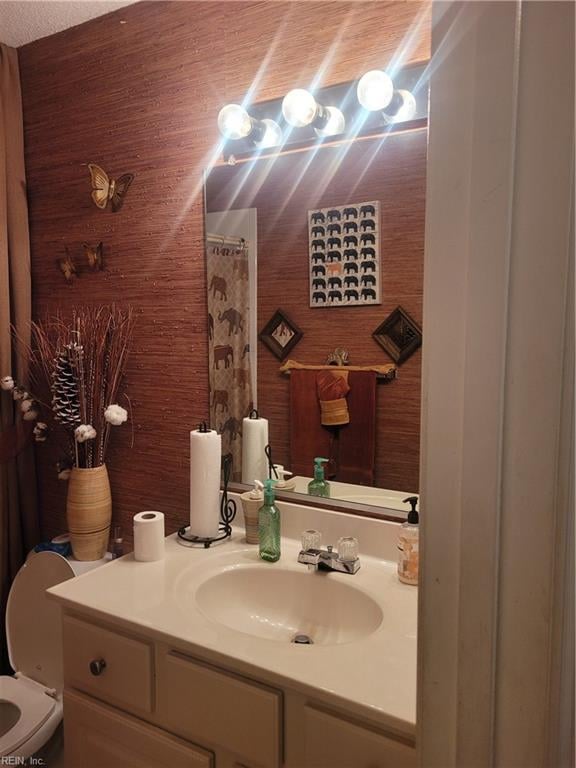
column 399, row 335
column 280, row 334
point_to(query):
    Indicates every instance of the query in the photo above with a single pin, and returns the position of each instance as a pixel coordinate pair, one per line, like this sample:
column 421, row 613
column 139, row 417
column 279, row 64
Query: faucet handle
column 311, row 539
column 347, row 549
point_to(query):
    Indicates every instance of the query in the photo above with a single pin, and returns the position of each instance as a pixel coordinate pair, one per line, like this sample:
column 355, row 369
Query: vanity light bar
column 373, row 104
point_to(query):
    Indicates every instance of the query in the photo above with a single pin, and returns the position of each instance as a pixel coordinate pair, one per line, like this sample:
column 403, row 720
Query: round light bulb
column 335, row 124
column 272, row 136
column 299, row 108
column 407, row 110
column 375, row 90
column 234, row 122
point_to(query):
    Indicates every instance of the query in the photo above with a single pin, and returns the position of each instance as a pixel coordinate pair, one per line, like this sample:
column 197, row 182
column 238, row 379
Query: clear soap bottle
column 408, row 539
column 269, row 525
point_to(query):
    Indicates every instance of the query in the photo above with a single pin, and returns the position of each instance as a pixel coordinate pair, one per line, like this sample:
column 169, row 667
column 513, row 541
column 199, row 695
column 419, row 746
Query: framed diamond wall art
column 399, row 335
column 344, row 255
column 280, row 334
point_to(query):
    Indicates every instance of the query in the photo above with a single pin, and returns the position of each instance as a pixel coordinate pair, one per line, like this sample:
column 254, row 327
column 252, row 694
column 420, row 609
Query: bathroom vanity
column 190, row 661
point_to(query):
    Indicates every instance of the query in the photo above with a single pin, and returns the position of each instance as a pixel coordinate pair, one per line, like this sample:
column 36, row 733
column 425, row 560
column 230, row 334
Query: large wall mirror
column 309, row 251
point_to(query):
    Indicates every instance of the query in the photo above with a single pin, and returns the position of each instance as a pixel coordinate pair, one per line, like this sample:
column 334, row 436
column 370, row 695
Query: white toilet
column 31, row 701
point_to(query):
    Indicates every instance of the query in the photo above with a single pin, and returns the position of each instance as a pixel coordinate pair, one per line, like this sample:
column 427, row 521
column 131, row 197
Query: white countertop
column 383, row 498
column 373, row 676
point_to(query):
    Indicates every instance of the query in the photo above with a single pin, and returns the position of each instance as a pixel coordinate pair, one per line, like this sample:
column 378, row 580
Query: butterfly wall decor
column 105, row 189
column 71, row 267
column 67, row 267
column 94, row 258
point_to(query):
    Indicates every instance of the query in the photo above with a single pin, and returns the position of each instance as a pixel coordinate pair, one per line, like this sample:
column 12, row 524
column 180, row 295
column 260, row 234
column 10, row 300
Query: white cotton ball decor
column 64, row 469
column 19, row 393
column 84, row 432
column 114, row 414
column 40, row 432
column 26, row 403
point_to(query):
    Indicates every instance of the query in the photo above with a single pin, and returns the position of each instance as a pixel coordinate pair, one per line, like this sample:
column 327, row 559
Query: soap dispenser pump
column 269, row 525
column 319, row 486
column 257, row 491
column 408, row 545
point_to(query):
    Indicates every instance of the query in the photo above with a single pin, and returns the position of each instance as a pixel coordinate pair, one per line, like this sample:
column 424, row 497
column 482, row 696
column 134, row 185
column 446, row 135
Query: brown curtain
column 229, row 349
column 19, row 528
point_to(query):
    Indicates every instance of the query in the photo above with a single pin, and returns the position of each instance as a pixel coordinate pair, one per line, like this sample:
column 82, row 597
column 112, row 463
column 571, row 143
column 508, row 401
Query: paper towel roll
column 205, row 463
column 254, row 441
column 148, row 536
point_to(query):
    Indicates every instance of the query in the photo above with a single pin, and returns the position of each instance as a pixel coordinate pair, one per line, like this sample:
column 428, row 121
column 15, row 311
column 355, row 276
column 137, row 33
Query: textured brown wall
column 139, row 90
column 391, row 170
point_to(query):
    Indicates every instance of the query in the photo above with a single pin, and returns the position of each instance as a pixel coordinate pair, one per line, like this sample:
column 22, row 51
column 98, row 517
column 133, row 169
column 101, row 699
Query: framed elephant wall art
column 344, row 254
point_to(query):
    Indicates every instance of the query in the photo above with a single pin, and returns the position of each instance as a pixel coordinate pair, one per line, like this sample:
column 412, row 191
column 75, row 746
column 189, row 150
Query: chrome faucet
column 346, row 560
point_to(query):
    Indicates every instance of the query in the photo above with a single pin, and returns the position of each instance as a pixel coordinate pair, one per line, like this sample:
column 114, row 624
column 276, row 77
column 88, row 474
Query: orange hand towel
column 332, row 390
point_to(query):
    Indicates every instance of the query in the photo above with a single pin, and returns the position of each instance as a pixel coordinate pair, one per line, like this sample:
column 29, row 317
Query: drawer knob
column 97, row 666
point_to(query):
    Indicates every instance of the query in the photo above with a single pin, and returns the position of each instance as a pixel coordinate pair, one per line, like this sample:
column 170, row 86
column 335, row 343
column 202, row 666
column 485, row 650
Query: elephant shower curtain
column 229, row 348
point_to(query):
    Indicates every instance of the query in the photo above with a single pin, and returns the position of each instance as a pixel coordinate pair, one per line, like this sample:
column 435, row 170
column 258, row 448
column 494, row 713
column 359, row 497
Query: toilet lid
column 33, row 620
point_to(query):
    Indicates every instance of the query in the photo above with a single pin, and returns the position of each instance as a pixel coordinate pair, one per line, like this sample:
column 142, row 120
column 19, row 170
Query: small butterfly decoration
column 94, row 256
column 67, row 267
column 105, row 189
column 94, row 259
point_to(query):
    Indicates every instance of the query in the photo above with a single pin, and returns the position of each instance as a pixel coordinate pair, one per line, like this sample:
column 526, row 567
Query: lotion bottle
column 284, row 484
column 408, row 545
column 269, row 525
column 251, row 503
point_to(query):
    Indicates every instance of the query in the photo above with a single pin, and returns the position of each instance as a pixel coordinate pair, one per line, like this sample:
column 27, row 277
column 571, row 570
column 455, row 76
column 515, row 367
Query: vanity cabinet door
column 220, row 709
column 97, row 736
column 332, row 742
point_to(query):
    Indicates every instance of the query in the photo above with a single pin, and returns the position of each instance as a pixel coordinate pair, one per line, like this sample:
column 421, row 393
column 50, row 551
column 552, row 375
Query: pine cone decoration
column 65, row 400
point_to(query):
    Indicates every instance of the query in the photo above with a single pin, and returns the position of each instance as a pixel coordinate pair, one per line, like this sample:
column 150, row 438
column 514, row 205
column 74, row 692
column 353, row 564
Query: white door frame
column 497, row 454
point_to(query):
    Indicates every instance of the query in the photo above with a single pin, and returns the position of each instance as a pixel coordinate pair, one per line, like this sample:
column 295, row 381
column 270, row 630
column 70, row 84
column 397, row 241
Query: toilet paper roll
column 205, row 464
column 148, row 536
column 254, row 441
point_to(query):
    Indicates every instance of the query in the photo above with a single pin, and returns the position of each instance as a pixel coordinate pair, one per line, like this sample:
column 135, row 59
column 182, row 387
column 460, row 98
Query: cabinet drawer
column 215, row 708
column 126, row 678
column 333, row 742
column 96, row 736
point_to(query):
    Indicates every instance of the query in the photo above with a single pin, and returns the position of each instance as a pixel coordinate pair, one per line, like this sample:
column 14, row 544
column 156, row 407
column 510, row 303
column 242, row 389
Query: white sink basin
column 276, row 604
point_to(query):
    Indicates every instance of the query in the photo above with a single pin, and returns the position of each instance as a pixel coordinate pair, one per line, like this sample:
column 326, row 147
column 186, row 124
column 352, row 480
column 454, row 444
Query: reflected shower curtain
column 19, row 529
column 229, row 348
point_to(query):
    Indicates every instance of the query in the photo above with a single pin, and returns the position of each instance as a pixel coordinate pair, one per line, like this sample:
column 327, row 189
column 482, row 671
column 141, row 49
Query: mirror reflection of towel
column 357, row 450
column 351, row 447
column 332, row 390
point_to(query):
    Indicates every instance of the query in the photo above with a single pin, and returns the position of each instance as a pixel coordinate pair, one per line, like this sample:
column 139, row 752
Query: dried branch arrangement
column 82, row 360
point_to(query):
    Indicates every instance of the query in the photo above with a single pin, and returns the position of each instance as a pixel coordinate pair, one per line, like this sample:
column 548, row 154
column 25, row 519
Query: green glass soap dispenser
column 319, row 486
column 269, row 525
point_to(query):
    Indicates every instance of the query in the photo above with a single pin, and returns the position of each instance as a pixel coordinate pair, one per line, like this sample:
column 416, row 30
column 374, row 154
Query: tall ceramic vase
column 89, row 512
